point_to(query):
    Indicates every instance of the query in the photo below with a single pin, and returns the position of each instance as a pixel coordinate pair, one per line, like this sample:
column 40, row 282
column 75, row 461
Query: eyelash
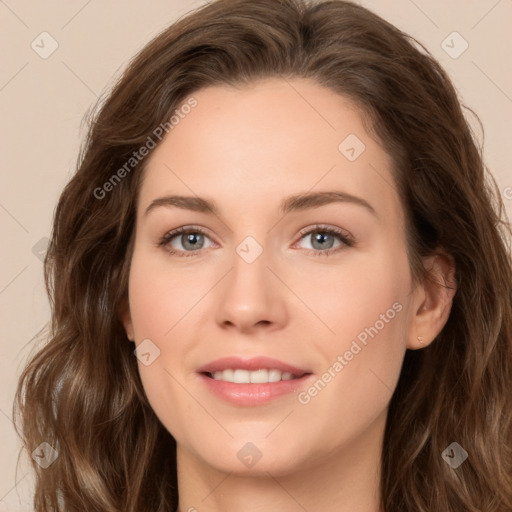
column 346, row 239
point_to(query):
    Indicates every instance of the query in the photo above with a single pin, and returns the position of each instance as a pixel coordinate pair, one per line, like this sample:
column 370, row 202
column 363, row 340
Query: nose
column 252, row 297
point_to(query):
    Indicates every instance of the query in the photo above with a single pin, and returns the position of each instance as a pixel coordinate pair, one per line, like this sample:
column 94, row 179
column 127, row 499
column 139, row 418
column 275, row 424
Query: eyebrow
column 298, row 202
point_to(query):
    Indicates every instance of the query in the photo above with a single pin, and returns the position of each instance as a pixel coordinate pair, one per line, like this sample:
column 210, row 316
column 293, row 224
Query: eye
column 191, row 239
column 324, row 239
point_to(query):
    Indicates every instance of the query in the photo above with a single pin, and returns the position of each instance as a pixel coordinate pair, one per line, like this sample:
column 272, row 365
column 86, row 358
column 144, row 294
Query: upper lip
column 254, row 363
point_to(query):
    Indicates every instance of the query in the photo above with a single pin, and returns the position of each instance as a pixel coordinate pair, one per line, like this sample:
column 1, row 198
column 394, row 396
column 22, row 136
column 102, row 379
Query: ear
column 433, row 301
column 123, row 313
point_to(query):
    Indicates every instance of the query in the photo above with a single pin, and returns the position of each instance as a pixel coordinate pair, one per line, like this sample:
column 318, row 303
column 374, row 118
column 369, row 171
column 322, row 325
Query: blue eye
column 189, row 237
column 192, row 240
column 324, row 239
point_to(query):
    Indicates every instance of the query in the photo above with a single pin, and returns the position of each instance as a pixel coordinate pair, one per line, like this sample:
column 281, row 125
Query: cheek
column 164, row 304
column 159, row 298
column 367, row 308
column 353, row 296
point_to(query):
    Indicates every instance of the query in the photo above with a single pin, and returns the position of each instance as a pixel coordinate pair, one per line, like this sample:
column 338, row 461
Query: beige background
column 42, row 102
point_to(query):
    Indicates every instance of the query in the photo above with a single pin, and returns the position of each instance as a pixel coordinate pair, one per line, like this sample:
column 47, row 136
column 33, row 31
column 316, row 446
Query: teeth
column 241, row 377
column 262, row 376
column 274, row 375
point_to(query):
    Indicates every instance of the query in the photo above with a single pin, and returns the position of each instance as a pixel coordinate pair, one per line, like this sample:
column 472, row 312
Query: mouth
column 261, row 376
column 250, row 382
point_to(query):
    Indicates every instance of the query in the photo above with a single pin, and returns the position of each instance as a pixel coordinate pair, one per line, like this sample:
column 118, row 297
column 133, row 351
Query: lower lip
column 254, row 394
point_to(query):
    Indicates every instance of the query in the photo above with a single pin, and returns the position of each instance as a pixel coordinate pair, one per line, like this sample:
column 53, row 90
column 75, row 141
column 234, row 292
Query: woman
column 201, row 356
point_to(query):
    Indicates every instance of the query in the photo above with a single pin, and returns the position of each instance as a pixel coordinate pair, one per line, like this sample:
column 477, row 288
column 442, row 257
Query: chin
column 250, row 455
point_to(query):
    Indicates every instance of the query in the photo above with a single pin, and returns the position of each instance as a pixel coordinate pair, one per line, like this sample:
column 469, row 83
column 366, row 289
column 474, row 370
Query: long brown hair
column 81, row 392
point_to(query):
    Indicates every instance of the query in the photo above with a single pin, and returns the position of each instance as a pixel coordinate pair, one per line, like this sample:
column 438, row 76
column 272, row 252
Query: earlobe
column 434, row 301
column 124, row 316
column 129, row 332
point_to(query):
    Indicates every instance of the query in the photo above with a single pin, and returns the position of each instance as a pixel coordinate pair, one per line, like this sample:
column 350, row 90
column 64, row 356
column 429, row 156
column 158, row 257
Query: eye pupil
column 320, row 237
column 191, row 238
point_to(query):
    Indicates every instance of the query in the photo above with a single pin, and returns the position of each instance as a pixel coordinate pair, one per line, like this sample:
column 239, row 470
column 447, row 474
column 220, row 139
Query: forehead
column 253, row 145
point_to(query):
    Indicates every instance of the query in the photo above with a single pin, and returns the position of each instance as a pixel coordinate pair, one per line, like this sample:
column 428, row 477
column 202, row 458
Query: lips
column 252, row 382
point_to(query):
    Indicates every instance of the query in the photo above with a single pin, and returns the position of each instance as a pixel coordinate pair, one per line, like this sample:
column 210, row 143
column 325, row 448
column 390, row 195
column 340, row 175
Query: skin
column 247, row 149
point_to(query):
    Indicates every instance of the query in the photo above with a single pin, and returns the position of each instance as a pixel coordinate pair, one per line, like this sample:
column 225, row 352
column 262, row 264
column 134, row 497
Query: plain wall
column 43, row 100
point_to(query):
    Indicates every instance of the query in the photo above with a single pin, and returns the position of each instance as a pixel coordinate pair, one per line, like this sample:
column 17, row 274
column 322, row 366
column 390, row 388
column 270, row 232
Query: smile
column 252, row 382
column 262, row 376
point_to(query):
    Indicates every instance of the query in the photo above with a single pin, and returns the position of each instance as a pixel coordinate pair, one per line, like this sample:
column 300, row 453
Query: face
column 275, row 325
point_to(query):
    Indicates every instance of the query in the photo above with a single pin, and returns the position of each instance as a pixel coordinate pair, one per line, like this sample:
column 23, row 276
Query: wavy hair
column 81, row 391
